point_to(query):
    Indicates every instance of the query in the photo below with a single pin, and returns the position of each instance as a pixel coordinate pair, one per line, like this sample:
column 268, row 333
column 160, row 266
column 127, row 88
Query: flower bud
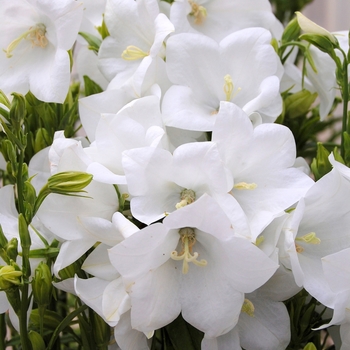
column 298, row 104
column 291, row 32
column 311, row 27
column 320, row 165
column 42, row 284
column 36, row 340
column 12, row 249
column 68, row 182
column 18, row 108
column 9, row 276
column 42, row 139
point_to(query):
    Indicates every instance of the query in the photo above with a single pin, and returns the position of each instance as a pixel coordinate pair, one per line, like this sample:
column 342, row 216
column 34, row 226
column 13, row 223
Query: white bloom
column 243, row 69
column 261, row 161
column 135, row 52
column 155, row 264
column 318, row 227
column 219, row 18
column 35, row 40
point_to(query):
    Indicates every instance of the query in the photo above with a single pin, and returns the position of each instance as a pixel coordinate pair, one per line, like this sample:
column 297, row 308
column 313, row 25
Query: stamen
column 309, row 238
column 188, row 240
column 36, row 35
column 198, row 12
column 248, row 307
column 259, row 240
column 187, row 197
column 299, row 248
column 229, row 88
column 245, row 186
column 132, row 53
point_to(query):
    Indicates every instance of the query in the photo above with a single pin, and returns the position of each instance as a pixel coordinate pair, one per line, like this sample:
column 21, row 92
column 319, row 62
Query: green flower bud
column 36, row 340
column 298, row 104
column 320, row 165
column 18, row 109
column 321, row 42
column 310, row 346
column 291, row 32
column 42, row 140
column 9, row 277
column 42, row 284
column 68, row 182
column 12, row 249
column 311, row 27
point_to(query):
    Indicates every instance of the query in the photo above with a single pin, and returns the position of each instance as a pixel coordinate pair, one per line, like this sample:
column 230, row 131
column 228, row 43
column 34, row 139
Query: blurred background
column 334, row 15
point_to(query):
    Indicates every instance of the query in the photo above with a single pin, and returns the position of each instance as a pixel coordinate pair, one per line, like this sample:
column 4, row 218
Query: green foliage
column 285, row 9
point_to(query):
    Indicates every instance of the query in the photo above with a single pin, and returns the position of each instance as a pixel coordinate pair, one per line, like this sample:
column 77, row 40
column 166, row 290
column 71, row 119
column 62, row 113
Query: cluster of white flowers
column 224, row 222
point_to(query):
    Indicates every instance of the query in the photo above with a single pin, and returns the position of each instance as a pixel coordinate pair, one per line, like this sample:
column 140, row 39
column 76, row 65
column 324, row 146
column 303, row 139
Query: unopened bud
column 9, row 277
column 298, row 104
column 12, row 249
column 69, row 182
column 321, row 165
column 36, row 340
column 42, row 284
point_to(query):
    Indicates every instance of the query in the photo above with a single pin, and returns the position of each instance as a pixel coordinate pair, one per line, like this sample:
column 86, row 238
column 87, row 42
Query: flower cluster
column 197, row 203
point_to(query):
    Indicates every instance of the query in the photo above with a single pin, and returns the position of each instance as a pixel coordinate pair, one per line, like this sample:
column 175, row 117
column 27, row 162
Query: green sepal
column 91, row 87
column 320, row 41
column 93, row 41
column 36, row 340
column 103, row 30
column 321, row 165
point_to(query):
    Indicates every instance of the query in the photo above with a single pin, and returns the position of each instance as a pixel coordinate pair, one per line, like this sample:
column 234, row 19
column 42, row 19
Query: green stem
column 345, row 93
column 25, row 342
column 2, row 332
column 20, row 183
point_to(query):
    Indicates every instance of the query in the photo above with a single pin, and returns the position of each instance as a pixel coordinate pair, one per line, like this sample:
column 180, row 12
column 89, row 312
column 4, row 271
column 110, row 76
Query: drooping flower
column 36, row 38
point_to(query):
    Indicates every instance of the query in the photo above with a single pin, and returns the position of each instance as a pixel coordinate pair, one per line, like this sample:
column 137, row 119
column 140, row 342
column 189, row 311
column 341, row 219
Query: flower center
column 36, row 35
column 188, row 240
column 229, row 88
column 198, row 12
column 248, row 307
column 187, row 197
column 132, row 53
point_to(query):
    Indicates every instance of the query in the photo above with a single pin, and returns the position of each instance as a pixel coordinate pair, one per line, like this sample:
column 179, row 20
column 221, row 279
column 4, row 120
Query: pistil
column 187, row 197
column 188, row 240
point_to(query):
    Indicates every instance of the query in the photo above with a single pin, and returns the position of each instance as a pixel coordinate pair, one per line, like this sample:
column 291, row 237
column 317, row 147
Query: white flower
column 192, row 264
column 219, row 18
column 316, row 228
column 243, row 69
column 134, row 52
column 36, row 37
column 261, row 161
